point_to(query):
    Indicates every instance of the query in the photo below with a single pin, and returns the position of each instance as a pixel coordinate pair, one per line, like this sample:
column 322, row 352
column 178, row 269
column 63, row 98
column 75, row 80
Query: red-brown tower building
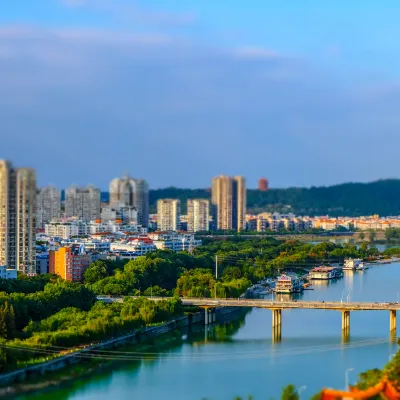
column 263, row 184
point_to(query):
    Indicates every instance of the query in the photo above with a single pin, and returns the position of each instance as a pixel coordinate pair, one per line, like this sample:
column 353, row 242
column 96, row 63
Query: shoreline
column 21, row 381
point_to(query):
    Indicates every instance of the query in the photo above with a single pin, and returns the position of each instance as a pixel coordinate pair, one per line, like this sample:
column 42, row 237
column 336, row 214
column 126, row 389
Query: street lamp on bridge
column 347, row 377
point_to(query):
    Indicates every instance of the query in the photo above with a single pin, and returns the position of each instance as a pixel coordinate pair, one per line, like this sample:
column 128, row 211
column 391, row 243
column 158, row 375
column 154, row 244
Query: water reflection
column 320, row 283
column 247, row 356
column 346, row 335
column 349, row 278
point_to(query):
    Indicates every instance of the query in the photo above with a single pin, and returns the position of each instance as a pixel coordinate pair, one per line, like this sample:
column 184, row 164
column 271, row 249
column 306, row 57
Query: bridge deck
column 322, row 305
column 329, row 305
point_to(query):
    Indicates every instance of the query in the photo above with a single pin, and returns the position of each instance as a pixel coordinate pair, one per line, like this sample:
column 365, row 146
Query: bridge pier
column 206, row 316
column 276, row 325
column 345, row 320
column 393, row 317
column 346, row 335
column 276, row 334
column 210, row 315
column 276, row 317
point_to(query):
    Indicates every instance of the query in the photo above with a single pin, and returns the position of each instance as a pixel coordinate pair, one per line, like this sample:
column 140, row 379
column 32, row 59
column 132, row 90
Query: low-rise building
column 139, row 246
column 174, row 241
column 101, row 246
column 61, row 230
column 74, row 228
column 42, row 263
column 276, row 222
column 69, row 263
column 119, row 214
column 122, row 255
column 8, row 273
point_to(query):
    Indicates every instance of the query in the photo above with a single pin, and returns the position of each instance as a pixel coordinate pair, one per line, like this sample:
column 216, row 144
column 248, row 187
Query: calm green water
column 239, row 358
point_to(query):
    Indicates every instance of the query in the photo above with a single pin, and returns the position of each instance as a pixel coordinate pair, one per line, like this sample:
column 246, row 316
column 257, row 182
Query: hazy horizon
column 251, row 187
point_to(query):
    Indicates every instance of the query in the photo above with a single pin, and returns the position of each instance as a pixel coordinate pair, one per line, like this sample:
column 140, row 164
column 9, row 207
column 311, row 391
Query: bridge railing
column 268, row 302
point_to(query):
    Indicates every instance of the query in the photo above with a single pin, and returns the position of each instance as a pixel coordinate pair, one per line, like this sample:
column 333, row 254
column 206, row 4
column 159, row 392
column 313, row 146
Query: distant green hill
column 348, row 199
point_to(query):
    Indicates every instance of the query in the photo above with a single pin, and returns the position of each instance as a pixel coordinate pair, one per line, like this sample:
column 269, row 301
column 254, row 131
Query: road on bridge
column 329, row 305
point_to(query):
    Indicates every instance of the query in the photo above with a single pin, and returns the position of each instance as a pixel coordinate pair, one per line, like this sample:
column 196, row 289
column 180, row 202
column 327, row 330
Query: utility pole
column 216, row 275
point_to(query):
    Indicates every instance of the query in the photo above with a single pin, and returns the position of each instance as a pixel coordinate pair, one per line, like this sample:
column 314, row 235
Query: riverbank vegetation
column 239, row 262
column 71, row 327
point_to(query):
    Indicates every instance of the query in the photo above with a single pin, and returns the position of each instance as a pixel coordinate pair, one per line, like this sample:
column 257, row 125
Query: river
column 240, row 358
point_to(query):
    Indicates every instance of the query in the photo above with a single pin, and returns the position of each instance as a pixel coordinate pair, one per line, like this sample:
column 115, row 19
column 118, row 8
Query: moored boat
column 351, row 264
column 289, row 283
column 325, row 273
column 362, row 267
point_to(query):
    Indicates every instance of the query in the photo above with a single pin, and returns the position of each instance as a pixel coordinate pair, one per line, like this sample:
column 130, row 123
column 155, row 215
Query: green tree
column 363, row 248
column 196, row 283
column 156, row 291
column 95, row 272
column 392, row 233
column 7, row 321
column 4, row 359
column 372, row 236
column 10, row 320
column 3, row 323
column 290, row 393
column 230, row 273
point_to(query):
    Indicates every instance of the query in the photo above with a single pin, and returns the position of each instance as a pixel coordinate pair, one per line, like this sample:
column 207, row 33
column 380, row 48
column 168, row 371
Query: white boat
column 351, row 264
column 360, row 267
column 325, row 273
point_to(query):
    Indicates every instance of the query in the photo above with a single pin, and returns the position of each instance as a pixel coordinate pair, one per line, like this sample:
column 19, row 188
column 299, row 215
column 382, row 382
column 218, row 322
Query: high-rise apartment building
column 198, row 215
column 229, row 202
column 169, row 214
column 130, row 192
column 83, row 203
column 48, row 205
column 17, row 217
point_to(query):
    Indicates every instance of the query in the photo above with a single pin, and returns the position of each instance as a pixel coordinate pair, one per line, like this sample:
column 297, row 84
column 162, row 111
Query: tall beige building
column 82, row 203
column 169, row 215
column 198, row 215
column 48, row 205
column 17, row 217
column 229, row 202
column 130, row 192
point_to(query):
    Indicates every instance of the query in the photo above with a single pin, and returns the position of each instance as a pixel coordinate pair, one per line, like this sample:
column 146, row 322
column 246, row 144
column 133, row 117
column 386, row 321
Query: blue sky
column 306, row 93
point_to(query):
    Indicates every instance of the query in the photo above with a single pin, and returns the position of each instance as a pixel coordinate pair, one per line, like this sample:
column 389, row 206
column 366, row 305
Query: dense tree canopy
column 72, row 326
column 26, row 284
column 349, row 199
column 54, row 297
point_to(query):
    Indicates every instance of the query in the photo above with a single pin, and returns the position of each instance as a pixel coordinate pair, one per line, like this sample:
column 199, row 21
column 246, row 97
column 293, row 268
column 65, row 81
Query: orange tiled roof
column 384, row 387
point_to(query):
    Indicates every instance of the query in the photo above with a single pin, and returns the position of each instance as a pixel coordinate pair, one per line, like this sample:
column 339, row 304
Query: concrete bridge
column 277, row 307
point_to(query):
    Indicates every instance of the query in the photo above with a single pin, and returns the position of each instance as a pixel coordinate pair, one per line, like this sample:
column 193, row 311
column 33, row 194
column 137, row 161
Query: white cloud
column 73, row 3
column 133, row 12
column 257, row 53
column 84, row 105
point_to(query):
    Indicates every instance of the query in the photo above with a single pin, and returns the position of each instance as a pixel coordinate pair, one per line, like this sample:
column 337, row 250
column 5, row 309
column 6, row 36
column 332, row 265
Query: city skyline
column 254, row 185
column 109, row 77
